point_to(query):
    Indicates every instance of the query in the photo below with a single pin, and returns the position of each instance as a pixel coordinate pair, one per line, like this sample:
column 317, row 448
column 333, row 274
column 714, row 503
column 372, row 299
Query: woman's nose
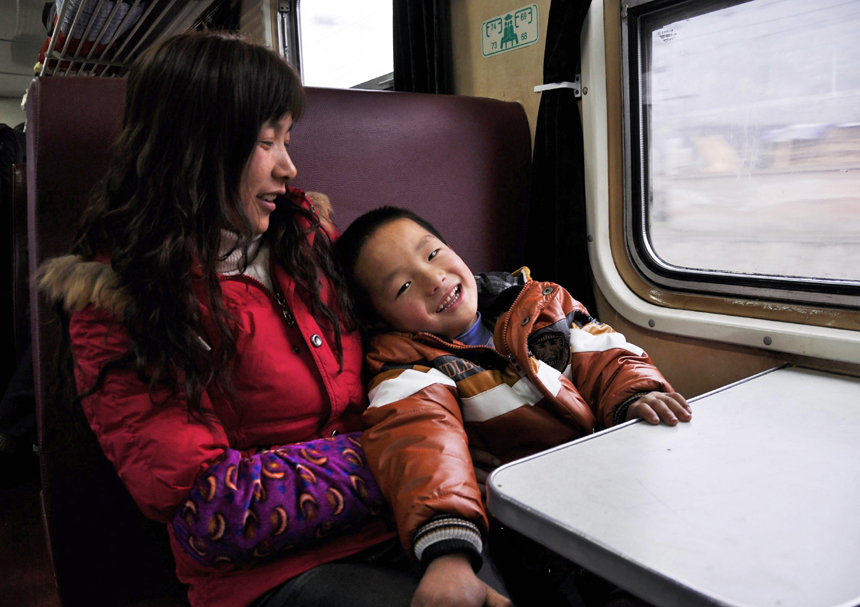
column 284, row 167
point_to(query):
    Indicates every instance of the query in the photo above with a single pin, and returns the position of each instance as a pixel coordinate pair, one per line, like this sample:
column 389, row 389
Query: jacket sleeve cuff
column 621, row 411
column 446, row 534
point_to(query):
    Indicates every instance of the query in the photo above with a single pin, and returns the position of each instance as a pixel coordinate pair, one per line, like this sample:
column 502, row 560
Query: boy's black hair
column 350, row 245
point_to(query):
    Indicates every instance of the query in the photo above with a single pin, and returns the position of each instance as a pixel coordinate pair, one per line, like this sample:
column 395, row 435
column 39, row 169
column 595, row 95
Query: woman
column 213, row 350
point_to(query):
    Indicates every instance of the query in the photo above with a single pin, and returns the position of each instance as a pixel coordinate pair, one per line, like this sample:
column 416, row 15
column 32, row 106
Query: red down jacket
column 288, row 389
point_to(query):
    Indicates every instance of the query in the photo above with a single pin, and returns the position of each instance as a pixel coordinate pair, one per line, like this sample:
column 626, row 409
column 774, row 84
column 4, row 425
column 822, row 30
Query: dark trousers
column 535, row 576
column 382, row 576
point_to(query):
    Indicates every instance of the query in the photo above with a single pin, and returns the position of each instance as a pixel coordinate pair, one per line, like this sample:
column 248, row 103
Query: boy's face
column 416, row 282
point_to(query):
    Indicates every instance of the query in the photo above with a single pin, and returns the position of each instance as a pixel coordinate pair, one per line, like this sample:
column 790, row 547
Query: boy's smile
column 416, row 282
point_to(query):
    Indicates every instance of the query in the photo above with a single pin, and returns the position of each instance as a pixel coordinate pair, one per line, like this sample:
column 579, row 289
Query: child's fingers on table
column 668, row 409
column 659, row 403
column 677, row 405
column 642, row 409
column 680, row 401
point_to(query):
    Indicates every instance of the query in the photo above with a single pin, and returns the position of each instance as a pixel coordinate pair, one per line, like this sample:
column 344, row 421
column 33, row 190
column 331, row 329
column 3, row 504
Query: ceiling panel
column 21, row 37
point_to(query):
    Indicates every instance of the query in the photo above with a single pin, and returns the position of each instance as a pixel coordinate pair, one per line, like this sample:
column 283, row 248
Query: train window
column 339, row 43
column 742, row 126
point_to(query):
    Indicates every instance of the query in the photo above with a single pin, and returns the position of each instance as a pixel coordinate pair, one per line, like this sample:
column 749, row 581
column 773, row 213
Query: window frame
column 789, row 289
column 803, row 331
column 288, row 24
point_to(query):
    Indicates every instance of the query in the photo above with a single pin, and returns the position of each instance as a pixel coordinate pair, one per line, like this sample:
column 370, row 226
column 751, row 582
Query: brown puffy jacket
column 553, row 375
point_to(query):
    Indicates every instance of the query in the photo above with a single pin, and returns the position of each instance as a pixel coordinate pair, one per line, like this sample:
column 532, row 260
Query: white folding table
column 754, row 503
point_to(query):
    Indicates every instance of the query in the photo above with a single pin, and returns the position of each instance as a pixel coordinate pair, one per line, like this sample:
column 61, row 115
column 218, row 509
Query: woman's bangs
column 284, row 91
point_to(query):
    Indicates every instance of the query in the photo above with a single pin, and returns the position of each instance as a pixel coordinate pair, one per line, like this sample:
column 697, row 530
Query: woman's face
column 267, row 173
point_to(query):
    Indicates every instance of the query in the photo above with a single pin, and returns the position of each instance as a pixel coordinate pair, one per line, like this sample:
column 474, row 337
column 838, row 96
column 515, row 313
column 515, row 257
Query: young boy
column 496, row 362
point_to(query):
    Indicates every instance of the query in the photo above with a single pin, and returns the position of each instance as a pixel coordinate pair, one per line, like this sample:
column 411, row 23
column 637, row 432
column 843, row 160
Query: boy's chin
column 470, row 324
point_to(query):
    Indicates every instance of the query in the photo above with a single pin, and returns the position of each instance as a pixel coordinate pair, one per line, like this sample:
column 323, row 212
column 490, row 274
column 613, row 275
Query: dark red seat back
column 104, row 551
column 20, row 270
column 462, row 163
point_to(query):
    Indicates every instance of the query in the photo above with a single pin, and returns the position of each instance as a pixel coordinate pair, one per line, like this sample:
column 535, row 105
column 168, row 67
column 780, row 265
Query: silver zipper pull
column 288, row 316
column 513, row 360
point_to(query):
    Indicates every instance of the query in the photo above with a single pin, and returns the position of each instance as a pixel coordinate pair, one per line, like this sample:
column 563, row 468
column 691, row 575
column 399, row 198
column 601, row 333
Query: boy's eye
column 403, row 288
column 433, row 254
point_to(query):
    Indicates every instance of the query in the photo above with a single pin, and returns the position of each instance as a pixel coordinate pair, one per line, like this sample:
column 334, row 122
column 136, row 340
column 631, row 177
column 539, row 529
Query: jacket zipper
column 451, row 345
column 516, row 365
column 288, row 316
column 505, row 327
column 275, row 295
column 509, row 357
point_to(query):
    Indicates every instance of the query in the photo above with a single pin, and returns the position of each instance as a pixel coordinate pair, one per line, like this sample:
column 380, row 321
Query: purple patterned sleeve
column 244, row 508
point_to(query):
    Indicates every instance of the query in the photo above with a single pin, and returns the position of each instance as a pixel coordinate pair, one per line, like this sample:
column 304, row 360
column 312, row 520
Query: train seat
column 463, row 163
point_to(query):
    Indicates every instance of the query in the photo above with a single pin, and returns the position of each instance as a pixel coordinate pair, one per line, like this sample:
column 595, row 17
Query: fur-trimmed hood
column 76, row 283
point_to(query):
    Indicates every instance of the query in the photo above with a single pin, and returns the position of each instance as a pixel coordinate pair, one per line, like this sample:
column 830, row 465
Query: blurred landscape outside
column 753, row 119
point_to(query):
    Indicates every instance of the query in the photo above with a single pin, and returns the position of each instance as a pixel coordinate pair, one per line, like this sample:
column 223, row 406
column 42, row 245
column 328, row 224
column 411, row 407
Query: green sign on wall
column 510, row 31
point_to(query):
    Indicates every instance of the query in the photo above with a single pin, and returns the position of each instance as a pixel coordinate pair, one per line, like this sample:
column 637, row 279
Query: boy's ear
column 369, row 322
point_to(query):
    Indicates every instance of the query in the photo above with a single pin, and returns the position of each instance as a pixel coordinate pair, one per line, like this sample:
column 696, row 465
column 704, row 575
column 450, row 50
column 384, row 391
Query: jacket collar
column 497, row 292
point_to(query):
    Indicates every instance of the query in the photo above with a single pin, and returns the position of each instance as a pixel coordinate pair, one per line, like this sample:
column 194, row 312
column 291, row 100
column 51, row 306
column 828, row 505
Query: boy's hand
column 668, row 407
column 450, row 582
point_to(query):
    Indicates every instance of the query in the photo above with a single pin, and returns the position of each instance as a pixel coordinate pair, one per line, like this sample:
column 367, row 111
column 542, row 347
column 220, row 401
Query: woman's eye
column 403, row 288
column 433, row 254
column 267, row 144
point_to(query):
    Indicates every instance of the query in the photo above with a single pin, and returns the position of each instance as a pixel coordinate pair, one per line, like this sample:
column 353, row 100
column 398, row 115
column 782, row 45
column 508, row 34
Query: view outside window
column 345, row 43
column 752, row 119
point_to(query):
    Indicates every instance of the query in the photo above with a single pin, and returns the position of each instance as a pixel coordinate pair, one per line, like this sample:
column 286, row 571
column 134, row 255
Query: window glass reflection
column 752, row 115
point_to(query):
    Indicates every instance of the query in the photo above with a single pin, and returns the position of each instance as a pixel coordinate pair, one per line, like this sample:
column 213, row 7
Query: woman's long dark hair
column 194, row 107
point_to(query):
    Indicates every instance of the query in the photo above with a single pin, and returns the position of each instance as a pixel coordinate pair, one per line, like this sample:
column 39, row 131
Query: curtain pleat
column 422, row 46
column 557, row 245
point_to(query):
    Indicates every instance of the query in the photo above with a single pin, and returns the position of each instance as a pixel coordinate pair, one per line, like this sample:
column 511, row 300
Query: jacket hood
column 77, row 283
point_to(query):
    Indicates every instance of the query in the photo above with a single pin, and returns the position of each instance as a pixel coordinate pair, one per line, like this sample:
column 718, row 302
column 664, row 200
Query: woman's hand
column 484, row 463
column 450, row 582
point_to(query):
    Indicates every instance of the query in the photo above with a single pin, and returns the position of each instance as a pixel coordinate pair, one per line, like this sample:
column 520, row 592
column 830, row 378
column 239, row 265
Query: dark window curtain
column 422, row 46
column 556, row 246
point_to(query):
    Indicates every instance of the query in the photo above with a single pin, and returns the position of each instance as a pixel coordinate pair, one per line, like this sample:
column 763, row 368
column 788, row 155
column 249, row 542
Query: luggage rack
column 103, row 37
